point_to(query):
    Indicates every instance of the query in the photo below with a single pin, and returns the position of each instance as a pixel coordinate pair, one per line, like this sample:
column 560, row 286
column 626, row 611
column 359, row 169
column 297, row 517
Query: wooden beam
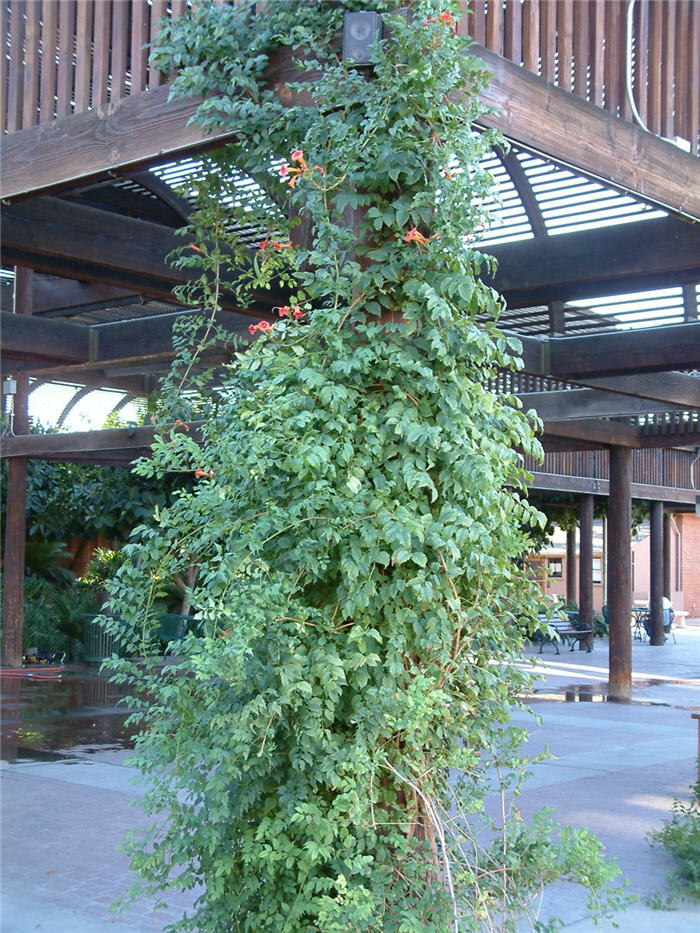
column 124, row 444
column 135, row 385
column 594, row 435
column 674, row 389
column 75, row 241
column 46, row 446
column 132, row 132
column 111, row 443
column 547, row 120
column 62, row 238
column 559, row 482
column 24, row 337
column 39, row 339
column 148, row 128
column 620, row 353
column 652, row 349
column 53, row 295
column 569, row 404
column 597, row 263
column 599, row 432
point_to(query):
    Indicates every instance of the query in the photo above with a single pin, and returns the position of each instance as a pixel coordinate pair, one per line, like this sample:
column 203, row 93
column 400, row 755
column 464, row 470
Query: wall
column 556, row 586
column 689, row 527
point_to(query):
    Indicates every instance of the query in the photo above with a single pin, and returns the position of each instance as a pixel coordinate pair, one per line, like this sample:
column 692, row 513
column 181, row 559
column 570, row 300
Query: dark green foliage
column 321, row 756
column 42, row 558
column 53, row 615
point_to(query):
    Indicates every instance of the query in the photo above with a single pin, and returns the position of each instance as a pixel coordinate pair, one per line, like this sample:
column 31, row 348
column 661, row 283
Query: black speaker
column 360, row 32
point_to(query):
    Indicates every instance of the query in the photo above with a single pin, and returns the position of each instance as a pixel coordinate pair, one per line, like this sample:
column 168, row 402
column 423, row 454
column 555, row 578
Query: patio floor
column 67, row 787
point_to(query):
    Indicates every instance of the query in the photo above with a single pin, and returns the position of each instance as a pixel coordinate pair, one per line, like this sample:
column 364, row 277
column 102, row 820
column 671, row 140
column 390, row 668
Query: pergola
column 595, row 208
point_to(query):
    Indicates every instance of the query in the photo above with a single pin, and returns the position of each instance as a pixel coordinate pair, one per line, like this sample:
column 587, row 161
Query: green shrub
column 53, row 616
column 681, row 837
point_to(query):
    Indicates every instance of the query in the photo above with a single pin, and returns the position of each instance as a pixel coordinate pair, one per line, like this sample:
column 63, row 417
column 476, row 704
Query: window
column 597, row 570
column 554, row 567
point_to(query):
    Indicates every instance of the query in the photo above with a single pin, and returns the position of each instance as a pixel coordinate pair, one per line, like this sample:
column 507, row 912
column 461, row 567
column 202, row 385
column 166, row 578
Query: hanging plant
column 322, row 755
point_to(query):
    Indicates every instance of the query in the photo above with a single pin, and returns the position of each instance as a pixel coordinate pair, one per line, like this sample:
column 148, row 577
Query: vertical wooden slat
column 49, row 43
column 656, row 13
column 100, row 54
column 479, row 34
column 158, row 11
column 494, row 26
column 120, row 32
column 669, row 68
column 548, row 38
column 15, row 89
column 682, row 77
column 531, row 35
column 83, row 54
column 581, row 51
column 30, row 113
column 612, row 47
column 597, row 51
column 139, row 37
column 694, row 86
column 565, row 43
column 4, row 30
column 178, row 8
column 641, row 32
column 66, row 40
column 513, row 41
column 465, row 22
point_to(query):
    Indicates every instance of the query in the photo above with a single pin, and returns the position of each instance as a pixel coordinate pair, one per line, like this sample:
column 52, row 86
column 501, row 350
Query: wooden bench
column 563, row 630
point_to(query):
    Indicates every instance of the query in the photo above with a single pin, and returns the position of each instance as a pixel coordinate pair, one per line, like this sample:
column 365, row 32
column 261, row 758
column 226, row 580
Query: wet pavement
column 75, row 715
column 668, row 674
column 68, row 790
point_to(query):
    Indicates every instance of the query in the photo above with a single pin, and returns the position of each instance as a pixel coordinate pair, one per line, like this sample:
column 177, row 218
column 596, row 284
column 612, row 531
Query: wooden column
column 16, row 519
column 571, row 588
column 668, row 556
column 656, row 571
column 620, row 574
column 585, row 602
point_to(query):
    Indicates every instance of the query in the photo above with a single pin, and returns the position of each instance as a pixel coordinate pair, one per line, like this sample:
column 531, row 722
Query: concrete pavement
column 616, row 771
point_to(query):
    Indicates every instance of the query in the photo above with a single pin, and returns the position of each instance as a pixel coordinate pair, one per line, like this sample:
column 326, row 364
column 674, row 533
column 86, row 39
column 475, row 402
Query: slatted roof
column 536, row 199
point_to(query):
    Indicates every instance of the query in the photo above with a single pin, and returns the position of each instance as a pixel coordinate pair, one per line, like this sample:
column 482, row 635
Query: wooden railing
column 581, row 45
column 662, row 467
column 68, row 56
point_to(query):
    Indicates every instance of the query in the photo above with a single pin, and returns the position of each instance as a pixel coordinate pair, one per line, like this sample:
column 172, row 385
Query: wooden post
column 668, row 557
column 656, row 569
column 16, row 518
column 571, row 588
column 620, row 574
column 585, row 603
